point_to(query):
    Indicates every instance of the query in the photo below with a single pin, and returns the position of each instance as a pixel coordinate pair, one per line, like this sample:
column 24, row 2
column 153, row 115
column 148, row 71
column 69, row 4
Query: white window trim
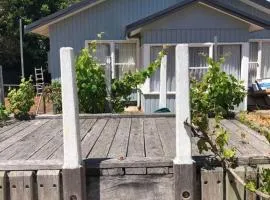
column 112, row 50
column 146, row 59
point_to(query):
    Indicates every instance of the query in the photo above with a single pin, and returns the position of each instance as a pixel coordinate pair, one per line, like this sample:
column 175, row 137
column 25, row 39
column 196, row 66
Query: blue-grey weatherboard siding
column 112, row 17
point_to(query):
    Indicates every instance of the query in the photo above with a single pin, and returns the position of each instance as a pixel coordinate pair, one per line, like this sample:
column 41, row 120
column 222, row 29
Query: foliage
column 265, row 181
column 92, row 91
column 217, row 93
column 122, row 89
column 90, row 82
column 3, row 113
column 35, row 47
column 22, row 99
column 205, row 97
column 53, row 94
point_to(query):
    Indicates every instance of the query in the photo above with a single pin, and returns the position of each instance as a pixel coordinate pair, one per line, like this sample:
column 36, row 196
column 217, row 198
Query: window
column 232, row 55
column 197, row 61
column 125, row 58
column 123, row 55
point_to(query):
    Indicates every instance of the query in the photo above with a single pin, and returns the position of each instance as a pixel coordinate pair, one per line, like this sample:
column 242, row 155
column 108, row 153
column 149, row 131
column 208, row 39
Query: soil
column 48, row 109
column 261, row 118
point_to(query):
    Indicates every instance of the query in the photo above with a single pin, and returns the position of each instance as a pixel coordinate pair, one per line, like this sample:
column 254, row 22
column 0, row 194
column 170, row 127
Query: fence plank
column 234, row 190
column 3, row 186
column 48, row 184
column 260, row 168
column 21, row 185
column 212, row 184
column 251, row 174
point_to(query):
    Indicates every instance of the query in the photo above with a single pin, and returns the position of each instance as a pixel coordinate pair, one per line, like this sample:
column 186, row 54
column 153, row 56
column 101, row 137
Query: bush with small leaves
column 22, row 99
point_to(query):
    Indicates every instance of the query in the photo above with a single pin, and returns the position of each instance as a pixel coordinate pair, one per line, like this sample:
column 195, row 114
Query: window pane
column 154, row 80
column 232, row 55
column 197, row 58
column 102, row 51
column 125, row 58
column 265, row 73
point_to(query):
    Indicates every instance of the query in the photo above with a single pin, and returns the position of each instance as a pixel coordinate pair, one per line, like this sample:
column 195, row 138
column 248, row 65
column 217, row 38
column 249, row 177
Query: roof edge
column 218, row 5
column 61, row 14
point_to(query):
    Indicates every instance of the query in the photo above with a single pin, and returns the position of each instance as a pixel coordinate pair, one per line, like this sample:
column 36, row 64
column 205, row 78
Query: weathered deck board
column 239, row 141
column 136, row 140
column 153, row 146
column 119, row 138
column 36, row 140
column 103, row 144
column 166, row 131
column 257, row 144
column 120, row 142
column 92, row 136
column 16, row 137
column 85, row 126
column 14, row 129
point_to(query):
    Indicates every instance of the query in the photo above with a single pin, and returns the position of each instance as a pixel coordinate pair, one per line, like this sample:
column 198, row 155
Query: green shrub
column 53, row 95
column 90, row 82
column 3, row 113
column 218, row 93
column 22, row 99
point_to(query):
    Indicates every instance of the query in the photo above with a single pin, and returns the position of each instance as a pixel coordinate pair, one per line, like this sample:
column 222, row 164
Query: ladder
column 39, row 85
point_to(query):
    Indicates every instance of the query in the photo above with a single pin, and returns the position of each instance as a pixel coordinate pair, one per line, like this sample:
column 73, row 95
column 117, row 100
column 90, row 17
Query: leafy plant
column 205, row 97
column 22, row 99
column 90, row 82
column 54, row 95
column 3, row 113
column 122, row 89
column 92, row 91
column 217, row 93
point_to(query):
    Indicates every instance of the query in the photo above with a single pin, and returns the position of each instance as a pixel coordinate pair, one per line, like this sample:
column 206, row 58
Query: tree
column 35, row 47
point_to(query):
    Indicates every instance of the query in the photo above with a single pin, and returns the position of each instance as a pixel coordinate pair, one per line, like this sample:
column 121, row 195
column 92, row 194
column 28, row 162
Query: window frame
column 146, row 48
column 112, row 44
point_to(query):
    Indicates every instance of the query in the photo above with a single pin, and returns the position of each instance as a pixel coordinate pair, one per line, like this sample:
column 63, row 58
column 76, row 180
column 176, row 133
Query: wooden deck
column 115, row 141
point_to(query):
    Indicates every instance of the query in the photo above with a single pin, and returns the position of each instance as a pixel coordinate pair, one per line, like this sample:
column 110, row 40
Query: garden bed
column 257, row 120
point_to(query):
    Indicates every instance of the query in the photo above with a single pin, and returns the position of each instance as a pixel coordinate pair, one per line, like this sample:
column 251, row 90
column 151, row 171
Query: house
column 136, row 30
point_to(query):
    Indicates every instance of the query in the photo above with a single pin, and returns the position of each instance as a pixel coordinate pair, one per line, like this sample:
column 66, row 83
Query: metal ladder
column 39, row 85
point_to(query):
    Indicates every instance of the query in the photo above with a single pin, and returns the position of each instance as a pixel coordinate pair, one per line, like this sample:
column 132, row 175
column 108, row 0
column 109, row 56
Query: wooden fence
column 47, row 185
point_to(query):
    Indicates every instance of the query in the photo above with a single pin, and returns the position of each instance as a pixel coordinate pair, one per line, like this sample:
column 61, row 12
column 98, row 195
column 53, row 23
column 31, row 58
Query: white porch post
column 244, row 70
column 73, row 173
column 183, row 163
column 163, row 83
column 259, row 69
column 112, row 47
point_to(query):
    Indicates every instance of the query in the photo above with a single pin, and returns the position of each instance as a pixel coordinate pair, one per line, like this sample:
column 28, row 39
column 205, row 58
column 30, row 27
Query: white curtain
column 253, row 65
column 197, row 59
column 265, row 60
column 125, row 58
column 232, row 54
column 102, row 51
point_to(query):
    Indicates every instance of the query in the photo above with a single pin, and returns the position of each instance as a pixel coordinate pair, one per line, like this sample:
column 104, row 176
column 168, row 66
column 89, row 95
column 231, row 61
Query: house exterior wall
column 195, row 24
column 112, row 17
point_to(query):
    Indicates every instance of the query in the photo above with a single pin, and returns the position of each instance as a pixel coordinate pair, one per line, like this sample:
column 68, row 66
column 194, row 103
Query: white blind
column 232, row 54
column 198, row 62
column 125, row 58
